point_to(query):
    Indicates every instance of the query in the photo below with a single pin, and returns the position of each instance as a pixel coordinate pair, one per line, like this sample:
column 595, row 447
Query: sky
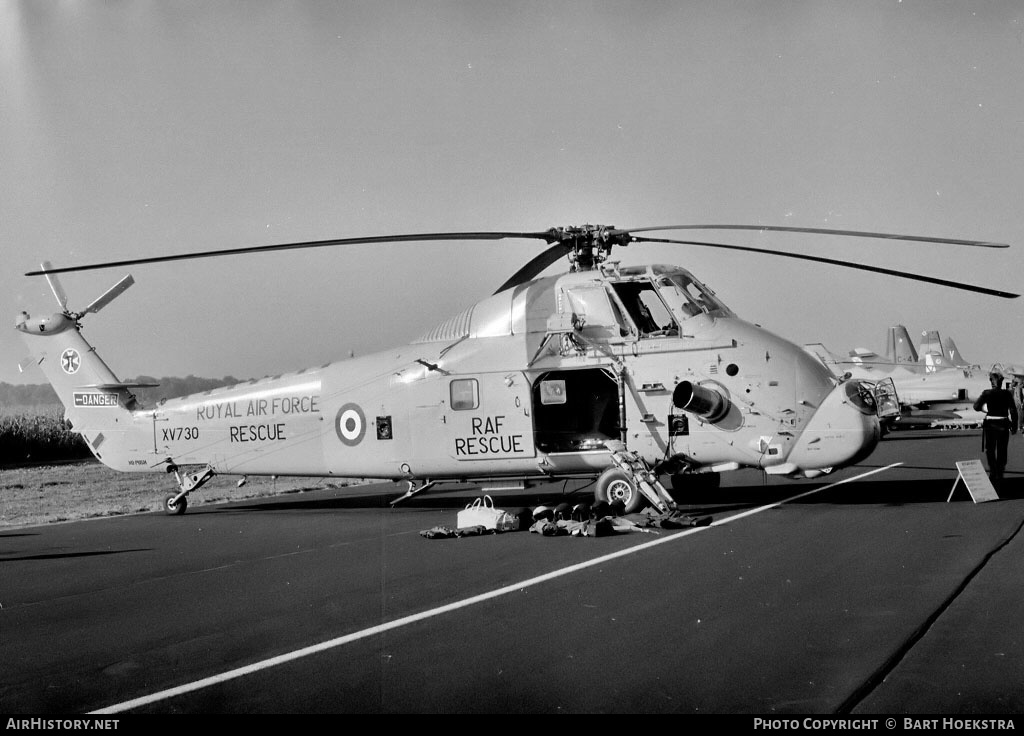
column 137, row 129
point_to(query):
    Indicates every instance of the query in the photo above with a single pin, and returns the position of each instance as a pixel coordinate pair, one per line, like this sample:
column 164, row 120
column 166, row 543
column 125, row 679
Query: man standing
column 1000, row 422
column 1017, row 387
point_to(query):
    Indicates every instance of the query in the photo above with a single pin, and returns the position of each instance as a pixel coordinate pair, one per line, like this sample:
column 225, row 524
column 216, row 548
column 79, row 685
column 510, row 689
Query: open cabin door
column 576, row 410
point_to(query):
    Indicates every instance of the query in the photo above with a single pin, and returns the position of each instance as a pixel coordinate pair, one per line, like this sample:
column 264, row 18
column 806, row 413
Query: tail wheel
column 615, row 485
column 175, row 508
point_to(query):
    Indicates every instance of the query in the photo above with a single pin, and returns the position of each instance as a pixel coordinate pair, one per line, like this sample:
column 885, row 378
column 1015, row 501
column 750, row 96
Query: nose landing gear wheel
column 175, row 509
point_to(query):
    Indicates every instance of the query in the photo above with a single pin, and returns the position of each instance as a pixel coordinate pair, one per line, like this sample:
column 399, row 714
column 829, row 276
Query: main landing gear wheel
column 615, row 485
column 175, row 509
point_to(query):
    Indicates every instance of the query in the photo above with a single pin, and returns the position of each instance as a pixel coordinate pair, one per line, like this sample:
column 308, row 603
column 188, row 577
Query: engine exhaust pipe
column 704, row 402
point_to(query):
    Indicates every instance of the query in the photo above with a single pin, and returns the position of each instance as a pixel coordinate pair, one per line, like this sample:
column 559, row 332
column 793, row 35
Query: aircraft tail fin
column 949, row 349
column 94, row 399
column 932, row 352
column 899, row 348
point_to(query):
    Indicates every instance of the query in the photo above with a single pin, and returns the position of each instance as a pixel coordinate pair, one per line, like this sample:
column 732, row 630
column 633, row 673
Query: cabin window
column 598, row 313
column 465, row 394
column 552, row 392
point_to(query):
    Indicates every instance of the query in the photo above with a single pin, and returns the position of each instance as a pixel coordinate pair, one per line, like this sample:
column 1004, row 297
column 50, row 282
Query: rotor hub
column 588, row 245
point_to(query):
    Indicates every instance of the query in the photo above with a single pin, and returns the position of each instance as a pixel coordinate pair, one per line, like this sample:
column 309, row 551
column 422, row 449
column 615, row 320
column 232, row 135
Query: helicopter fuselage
column 539, row 381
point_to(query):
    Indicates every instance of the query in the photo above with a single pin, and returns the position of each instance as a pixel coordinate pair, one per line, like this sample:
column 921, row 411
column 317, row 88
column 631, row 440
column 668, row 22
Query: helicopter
column 618, row 375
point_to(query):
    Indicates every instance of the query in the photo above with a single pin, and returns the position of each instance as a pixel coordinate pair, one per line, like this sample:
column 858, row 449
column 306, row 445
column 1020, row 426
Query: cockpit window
column 646, row 308
column 861, row 396
column 691, row 297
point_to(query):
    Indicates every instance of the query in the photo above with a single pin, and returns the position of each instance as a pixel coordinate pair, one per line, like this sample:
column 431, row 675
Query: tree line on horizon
column 169, row 387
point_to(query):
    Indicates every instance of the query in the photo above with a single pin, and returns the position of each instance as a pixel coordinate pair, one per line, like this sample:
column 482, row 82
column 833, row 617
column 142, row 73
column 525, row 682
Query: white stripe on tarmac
column 406, row 620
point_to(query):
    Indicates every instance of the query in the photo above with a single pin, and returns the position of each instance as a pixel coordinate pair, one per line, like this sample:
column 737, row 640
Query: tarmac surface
column 864, row 592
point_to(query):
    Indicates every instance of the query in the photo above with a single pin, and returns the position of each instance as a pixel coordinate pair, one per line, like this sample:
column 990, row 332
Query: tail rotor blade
column 55, row 287
column 111, row 294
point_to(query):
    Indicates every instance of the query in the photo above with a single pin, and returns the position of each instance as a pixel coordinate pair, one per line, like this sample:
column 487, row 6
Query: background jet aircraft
column 941, row 352
column 936, row 386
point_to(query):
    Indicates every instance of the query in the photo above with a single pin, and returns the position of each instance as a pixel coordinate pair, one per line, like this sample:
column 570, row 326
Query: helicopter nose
column 843, row 431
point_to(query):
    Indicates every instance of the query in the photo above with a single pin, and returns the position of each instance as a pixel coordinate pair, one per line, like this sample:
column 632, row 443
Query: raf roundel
column 350, row 424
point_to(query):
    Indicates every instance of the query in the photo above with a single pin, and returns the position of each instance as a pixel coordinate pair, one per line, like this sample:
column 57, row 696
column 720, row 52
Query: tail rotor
column 96, row 305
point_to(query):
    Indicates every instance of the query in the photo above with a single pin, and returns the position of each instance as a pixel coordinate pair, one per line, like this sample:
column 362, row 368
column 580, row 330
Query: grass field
column 46, row 494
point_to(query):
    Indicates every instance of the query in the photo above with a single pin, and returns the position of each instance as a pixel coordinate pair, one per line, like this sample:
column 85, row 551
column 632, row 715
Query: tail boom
column 99, row 406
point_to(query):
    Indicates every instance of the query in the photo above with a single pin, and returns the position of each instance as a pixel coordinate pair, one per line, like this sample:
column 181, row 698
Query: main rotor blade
column 111, row 294
column 822, row 231
column 422, row 237
column 845, row 264
column 532, row 269
column 55, row 287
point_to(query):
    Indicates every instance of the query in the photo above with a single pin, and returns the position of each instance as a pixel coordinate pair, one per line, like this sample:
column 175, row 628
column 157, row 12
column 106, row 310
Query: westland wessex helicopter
column 619, row 374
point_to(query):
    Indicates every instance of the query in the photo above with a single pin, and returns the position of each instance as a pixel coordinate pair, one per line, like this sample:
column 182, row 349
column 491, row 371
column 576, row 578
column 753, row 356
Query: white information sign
column 972, row 474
